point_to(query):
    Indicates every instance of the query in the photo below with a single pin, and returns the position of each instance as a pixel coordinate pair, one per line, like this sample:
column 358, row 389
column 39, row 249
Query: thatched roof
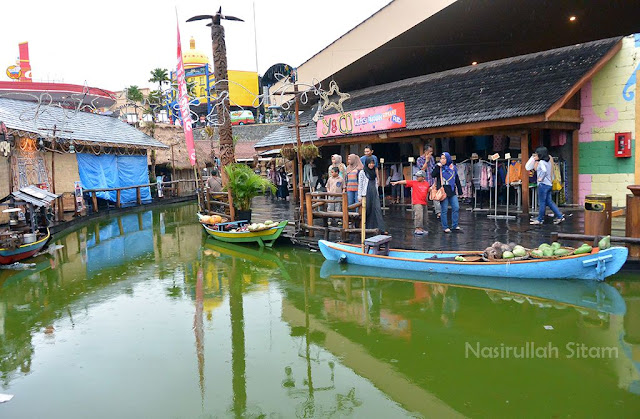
column 174, row 135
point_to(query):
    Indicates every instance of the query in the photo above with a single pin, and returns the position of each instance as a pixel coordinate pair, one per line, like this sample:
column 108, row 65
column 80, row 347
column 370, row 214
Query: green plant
column 159, row 75
column 245, row 185
column 134, row 94
column 309, row 151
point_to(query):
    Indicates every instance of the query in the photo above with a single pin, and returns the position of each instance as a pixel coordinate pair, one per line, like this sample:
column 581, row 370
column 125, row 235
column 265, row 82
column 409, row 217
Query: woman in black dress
column 367, row 186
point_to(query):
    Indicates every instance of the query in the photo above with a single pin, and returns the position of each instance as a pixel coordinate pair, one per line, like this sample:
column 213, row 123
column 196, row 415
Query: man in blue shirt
column 368, row 152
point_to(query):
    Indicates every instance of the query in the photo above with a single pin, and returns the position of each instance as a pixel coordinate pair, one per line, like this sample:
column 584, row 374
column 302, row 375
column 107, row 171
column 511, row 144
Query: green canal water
column 142, row 316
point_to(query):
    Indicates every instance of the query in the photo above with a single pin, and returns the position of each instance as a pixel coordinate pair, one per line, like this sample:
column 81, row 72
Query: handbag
column 436, row 194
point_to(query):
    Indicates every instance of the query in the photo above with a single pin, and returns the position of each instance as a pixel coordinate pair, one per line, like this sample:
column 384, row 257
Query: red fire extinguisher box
column 623, row 144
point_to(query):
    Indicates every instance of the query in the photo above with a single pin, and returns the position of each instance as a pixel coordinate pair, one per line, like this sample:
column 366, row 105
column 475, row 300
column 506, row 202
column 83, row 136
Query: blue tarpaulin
column 111, row 171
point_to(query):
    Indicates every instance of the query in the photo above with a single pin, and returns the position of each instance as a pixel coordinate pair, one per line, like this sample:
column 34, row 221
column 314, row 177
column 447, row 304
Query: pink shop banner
column 380, row 118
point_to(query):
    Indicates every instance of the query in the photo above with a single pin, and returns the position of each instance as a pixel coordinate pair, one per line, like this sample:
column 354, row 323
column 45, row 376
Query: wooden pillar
column 232, row 210
column 60, row 208
column 575, row 161
column 295, row 182
column 636, row 154
column 632, row 227
column 207, row 199
column 345, row 214
column 524, row 175
column 138, row 197
column 120, row 226
column 118, row 201
column 94, row 200
column 309, row 213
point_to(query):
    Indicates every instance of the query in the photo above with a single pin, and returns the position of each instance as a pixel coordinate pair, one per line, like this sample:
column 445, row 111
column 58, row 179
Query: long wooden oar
column 363, row 220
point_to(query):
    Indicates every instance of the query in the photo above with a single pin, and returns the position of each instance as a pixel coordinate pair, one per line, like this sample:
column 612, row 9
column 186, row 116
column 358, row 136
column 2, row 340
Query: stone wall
column 608, row 107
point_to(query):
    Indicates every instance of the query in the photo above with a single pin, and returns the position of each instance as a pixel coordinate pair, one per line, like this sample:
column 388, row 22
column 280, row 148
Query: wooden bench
column 379, row 244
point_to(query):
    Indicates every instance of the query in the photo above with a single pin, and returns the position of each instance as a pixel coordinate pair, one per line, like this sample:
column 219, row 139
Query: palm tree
column 159, row 75
column 134, row 94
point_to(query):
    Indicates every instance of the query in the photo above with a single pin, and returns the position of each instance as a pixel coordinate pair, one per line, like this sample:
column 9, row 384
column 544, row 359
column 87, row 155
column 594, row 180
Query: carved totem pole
column 222, row 86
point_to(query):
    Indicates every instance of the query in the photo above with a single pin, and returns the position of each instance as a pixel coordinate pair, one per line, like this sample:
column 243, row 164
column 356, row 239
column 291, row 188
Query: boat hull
column 9, row 256
column 594, row 266
column 263, row 238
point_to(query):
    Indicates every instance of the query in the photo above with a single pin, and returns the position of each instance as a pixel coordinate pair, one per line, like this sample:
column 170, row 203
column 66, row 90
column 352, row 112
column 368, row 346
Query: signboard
column 380, row 118
column 77, row 192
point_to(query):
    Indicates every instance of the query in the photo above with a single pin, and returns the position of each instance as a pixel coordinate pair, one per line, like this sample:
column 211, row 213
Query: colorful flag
column 183, row 100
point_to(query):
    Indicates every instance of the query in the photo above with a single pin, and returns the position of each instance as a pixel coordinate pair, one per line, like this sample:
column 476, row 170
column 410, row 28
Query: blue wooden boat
column 597, row 265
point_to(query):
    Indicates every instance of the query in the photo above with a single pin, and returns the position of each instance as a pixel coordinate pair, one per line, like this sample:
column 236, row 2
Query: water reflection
column 210, row 329
column 405, row 314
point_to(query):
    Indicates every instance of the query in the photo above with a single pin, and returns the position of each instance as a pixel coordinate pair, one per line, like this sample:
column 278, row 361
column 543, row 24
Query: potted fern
column 245, row 185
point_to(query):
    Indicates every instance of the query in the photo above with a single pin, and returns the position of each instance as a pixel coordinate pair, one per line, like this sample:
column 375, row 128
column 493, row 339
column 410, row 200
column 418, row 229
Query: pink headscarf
column 354, row 163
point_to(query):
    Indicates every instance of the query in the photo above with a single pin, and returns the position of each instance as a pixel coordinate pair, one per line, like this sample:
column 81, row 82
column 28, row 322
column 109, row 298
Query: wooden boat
column 9, row 256
column 266, row 237
column 597, row 265
column 21, row 239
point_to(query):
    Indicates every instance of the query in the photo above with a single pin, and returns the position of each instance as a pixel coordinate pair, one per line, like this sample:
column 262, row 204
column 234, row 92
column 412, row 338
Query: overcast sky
column 116, row 43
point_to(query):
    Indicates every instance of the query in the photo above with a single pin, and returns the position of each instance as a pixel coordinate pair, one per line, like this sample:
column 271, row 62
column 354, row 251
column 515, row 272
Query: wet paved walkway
column 478, row 231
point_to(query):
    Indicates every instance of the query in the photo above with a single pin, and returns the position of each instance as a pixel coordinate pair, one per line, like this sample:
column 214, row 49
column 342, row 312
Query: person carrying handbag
column 446, row 175
column 427, row 163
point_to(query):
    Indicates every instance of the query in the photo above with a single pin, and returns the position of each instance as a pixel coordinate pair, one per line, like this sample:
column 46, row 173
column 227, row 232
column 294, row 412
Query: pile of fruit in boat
column 555, row 249
column 262, row 226
column 256, row 226
column 505, row 251
column 211, row 219
column 242, row 229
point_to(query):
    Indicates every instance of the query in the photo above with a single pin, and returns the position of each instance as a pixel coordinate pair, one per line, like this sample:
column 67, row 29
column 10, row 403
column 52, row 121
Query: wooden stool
column 379, row 244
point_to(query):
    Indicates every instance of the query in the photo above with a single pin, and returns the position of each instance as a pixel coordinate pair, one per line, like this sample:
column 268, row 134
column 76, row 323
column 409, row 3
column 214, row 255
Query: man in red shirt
column 419, row 192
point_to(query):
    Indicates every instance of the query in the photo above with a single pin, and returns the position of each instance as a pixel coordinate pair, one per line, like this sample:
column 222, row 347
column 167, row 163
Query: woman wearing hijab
column 446, row 176
column 336, row 161
column 283, row 184
column 544, row 174
column 367, row 187
column 353, row 169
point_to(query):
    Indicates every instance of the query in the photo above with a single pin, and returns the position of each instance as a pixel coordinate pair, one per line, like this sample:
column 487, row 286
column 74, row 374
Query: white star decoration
column 333, row 89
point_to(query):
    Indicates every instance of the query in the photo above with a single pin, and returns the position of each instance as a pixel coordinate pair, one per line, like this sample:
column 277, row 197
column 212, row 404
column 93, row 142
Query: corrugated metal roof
column 520, row 86
column 34, row 195
column 72, row 125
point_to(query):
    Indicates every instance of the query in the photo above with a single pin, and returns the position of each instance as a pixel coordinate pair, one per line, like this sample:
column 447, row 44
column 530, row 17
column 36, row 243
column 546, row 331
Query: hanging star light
column 325, row 95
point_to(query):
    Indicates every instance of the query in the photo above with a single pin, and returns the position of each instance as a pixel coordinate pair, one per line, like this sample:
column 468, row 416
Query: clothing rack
column 506, row 216
column 475, row 190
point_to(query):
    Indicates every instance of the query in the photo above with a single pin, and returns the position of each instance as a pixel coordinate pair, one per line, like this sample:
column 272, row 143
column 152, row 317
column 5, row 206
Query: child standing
column 419, row 192
column 335, row 184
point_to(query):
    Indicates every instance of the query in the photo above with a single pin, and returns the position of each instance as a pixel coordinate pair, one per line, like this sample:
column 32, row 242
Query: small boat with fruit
column 546, row 262
column 265, row 234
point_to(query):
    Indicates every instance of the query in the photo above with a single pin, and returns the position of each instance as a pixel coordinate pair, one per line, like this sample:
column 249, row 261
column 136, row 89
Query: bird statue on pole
column 221, row 85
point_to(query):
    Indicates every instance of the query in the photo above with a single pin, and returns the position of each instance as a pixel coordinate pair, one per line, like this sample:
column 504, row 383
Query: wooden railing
column 315, row 204
column 173, row 189
column 214, row 201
